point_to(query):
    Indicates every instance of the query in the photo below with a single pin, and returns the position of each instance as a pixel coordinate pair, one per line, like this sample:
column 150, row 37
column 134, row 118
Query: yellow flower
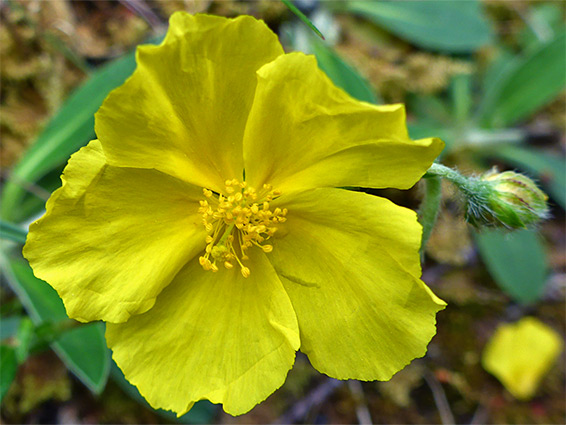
column 520, row 355
column 206, row 227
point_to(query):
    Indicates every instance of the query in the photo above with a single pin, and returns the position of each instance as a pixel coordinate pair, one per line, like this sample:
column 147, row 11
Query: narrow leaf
column 31, row 205
column 544, row 21
column 24, row 338
column 11, row 232
column 527, row 85
column 461, row 93
column 449, row 26
column 71, row 128
column 431, row 108
column 84, row 352
column 302, row 17
column 431, row 128
column 341, row 73
column 495, row 75
column 82, row 349
column 8, row 368
column 10, row 325
column 68, row 130
column 516, row 261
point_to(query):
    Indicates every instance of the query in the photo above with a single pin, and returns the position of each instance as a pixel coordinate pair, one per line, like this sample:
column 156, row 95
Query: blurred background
column 488, row 77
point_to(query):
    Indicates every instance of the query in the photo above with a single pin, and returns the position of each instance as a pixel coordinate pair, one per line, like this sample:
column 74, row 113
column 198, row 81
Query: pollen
column 236, row 221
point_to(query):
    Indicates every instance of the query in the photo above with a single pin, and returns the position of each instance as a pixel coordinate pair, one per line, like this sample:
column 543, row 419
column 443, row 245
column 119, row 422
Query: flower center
column 235, row 222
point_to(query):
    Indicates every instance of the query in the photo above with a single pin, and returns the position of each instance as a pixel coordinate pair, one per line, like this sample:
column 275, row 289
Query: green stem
column 430, row 206
column 439, row 170
column 473, row 188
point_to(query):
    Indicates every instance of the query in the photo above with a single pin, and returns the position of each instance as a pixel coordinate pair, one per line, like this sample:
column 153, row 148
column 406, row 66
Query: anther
column 239, row 218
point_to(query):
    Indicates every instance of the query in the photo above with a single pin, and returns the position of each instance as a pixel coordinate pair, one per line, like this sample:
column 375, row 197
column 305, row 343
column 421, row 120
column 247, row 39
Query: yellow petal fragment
column 520, row 354
column 349, row 262
column 113, row 238
column 216, row 336
column 184, row 109
column 304, row 132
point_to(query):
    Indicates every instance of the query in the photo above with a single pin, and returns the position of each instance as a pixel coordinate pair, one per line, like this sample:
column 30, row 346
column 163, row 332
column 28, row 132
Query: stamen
column 243, row 216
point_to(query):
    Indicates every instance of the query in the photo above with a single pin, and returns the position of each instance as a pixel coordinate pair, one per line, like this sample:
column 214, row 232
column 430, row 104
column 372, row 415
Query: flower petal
column 113, row 238
column 304, row 132
column 349, row 262
column 184, row 109
column 215, row 336
column 520, row 355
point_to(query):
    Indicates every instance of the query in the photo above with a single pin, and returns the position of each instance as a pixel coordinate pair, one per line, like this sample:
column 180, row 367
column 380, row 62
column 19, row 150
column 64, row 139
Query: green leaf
column 431, row 109
column 341, row 73
column 11, row 232
column 24, row 338
column 431, row 128
column 516, row 261
column 544, row 21
column 71, row 128
column 84, row 352
column 497, row 71
column 8, row 368
column 525, row 85
column 549, row 169
column 9, row 326
column 449, row 26
column 461, row 93
column 31, row 205
column 202, row 412
column 82, row 349
column 302, row 17
column 495, row 74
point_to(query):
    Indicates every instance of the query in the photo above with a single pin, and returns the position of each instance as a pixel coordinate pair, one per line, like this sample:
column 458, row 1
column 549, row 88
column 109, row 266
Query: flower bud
column 509, row 200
